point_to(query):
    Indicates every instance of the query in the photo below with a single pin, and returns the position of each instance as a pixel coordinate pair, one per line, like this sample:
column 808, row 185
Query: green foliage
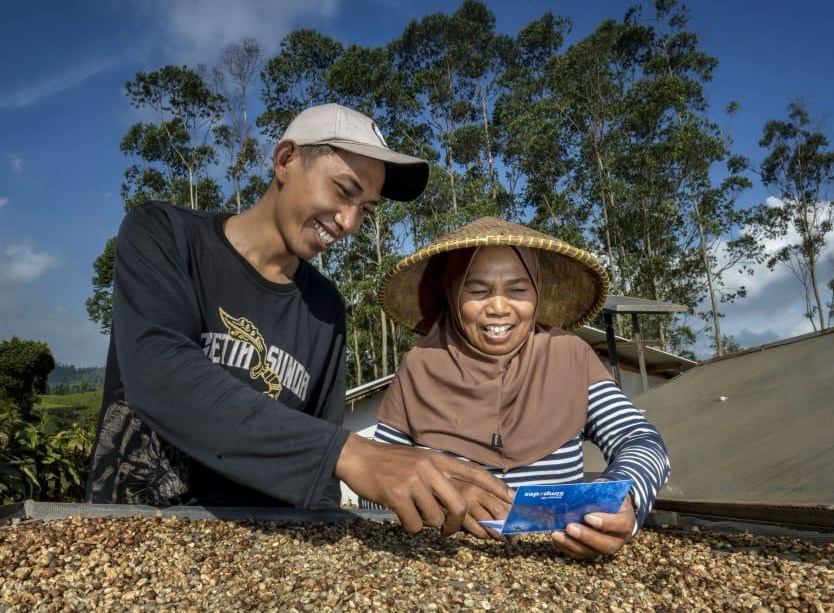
column 296, row 78
column 100, row 304
column 49, row 467
column 24, row 368
column 69, row 379
column 178, row 145
column 33, row 462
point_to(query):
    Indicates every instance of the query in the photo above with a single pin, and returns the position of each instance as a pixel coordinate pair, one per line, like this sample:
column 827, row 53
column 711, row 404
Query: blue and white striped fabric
column 632, row 447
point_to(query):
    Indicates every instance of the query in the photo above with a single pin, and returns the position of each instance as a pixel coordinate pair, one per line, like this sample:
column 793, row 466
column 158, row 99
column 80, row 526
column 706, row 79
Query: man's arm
column 331, row 401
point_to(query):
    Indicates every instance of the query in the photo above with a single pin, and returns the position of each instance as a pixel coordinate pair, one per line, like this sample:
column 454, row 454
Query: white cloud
column 195, row 31
column 763, row 278
column 3, row 201
column 33, row 92
column 15, row 162
column 20, row 265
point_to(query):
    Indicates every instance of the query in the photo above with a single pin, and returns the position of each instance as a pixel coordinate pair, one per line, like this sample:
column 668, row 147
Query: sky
column 63, row 112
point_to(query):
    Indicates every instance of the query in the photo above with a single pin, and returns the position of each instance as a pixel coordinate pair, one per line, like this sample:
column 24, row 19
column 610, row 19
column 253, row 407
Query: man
column 226, row 371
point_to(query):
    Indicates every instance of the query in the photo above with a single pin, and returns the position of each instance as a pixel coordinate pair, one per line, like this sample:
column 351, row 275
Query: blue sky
column 63, row 113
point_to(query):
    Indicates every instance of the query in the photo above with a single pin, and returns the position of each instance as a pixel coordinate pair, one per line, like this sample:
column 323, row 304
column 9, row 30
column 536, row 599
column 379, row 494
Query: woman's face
column 497, row 301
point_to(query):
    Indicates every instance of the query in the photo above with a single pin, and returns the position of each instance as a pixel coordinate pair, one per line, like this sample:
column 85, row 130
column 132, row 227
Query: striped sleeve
column 388, row 434
column 632, row 447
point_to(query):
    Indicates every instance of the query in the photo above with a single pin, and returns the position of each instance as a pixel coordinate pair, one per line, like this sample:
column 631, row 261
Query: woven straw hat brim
column 574, row 283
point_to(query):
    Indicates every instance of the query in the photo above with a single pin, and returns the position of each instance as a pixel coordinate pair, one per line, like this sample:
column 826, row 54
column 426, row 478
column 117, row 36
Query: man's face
column 327, row 201
column 497, row 301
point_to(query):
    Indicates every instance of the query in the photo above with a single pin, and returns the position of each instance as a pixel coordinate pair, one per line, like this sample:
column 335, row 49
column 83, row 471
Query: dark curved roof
column 757, row 426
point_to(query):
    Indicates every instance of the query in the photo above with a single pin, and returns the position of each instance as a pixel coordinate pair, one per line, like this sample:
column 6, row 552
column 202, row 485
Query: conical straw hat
column 574, row 283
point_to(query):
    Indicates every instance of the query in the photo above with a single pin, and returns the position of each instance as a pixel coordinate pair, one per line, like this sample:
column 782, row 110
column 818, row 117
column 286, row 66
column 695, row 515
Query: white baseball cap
column 343, row 128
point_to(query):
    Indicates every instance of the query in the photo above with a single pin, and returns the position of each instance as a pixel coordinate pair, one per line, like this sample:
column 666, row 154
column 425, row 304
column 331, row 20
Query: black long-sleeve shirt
column 244, row 376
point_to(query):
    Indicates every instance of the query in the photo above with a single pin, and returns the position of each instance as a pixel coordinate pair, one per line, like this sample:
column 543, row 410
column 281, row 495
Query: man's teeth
column 496, row 330
column 324, row 235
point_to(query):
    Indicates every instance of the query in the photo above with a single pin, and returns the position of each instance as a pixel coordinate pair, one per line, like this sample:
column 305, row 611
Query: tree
column 296, row 78
column 532, row 140
column 665, row 169
column 587, row 86
column 232, row 77
column 187, row 110
column 454, row 63
column 799, row 171
column 723, row 243
column 24, row 370
column 100, row 304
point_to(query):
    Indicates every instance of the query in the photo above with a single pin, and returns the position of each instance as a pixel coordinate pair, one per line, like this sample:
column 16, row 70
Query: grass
column 60, row 411
column 87, row 400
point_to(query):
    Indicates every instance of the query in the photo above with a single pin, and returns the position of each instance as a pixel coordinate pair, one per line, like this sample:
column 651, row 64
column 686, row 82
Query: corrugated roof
column 757, row 426
column 657, row 362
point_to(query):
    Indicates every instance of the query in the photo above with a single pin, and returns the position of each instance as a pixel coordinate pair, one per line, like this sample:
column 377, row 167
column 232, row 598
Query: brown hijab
column 501, row 411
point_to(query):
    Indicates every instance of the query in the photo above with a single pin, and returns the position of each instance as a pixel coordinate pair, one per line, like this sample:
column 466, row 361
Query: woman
column 498, row 379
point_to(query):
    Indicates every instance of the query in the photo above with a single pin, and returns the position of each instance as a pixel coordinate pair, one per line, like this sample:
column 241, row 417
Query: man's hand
column 482, row 505
column 602, row 533
column 416, row 483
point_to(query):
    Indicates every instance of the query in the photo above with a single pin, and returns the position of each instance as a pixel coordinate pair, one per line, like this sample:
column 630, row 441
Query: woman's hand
column 601, row 534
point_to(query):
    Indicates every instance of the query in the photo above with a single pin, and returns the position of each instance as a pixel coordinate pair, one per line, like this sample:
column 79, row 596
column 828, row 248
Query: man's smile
column 324, row 234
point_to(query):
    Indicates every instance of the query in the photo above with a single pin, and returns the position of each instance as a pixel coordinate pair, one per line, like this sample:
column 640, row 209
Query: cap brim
column 406, row 176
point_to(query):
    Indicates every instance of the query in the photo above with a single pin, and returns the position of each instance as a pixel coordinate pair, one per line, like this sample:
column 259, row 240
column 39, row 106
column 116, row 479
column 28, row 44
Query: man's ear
column 286, row 152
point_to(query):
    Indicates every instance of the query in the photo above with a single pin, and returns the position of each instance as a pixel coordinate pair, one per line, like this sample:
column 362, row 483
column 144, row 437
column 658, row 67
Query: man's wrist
column 347, row 457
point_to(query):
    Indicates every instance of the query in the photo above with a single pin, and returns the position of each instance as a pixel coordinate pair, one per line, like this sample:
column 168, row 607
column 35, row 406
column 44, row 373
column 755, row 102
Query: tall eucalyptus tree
column 799, row 171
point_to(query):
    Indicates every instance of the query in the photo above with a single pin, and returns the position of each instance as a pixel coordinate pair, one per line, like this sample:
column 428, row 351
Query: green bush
column 39, row 465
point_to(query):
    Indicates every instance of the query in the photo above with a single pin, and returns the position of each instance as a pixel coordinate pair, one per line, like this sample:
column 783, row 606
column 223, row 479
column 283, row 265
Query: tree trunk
column 649, row 250
column 450, row 171
column 192, row 193
column 357, row 361
column 449, row 158
column 394, row 345
column 372, row 345
column 812, row 271
column 604, row 176
column 716, row 325
column 488, row 147
column 382, row 317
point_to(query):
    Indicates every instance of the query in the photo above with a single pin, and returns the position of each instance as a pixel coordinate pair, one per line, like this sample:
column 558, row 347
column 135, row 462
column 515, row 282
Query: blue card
column 549, row 508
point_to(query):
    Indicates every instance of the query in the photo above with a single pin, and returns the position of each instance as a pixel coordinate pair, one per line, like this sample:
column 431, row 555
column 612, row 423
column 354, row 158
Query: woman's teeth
column 498, row 330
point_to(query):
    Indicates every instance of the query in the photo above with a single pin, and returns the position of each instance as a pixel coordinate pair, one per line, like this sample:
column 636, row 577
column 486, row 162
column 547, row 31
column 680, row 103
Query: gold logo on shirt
column 245, row 331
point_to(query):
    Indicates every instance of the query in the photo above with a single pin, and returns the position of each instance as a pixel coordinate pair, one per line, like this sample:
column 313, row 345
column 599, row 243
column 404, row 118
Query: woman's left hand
column 601, row 534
